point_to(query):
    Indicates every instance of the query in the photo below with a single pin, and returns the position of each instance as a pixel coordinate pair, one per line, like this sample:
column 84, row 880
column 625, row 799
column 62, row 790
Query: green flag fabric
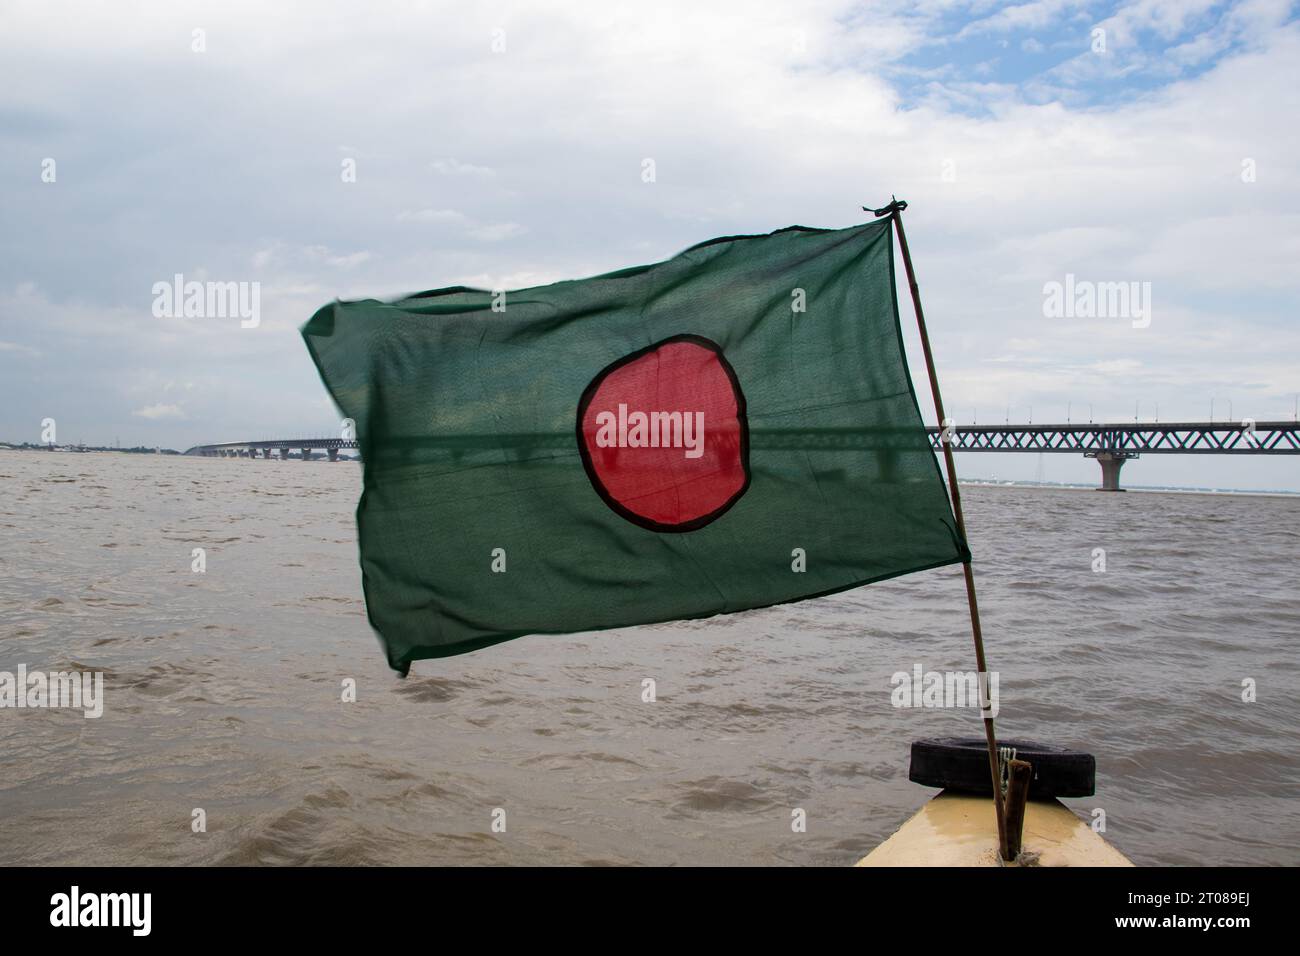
column 732, row 428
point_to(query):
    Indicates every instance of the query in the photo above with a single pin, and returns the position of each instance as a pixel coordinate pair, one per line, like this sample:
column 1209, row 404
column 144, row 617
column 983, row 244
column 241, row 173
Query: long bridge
column 1114, row 444
column 281, row 448
column 1111, row 444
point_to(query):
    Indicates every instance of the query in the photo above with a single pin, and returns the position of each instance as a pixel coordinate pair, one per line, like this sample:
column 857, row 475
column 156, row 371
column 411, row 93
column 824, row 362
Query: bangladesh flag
column 732, row 428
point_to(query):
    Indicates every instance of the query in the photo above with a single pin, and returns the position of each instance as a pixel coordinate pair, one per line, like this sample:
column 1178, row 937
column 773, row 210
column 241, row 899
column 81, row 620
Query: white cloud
column 283, row 255
column 1023, row 16
column 450, row 216
column 483, row 232
column 757, row 114
column 454, row 167
column 495, row 232
column 326, row 255
column 22, row 349
column 158, row 411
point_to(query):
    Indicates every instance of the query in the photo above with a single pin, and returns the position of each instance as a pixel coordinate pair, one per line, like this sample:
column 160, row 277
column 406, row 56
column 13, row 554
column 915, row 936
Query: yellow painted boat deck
column 960, row 830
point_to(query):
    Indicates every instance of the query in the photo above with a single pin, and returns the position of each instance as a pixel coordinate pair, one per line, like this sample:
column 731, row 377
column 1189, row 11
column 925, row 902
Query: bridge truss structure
column 1110, row 443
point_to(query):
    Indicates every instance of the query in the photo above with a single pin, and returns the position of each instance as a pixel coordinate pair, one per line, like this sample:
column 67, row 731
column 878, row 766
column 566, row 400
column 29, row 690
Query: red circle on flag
column 663, row 435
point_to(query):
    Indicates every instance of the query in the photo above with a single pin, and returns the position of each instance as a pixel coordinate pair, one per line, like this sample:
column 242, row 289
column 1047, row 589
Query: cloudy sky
column 499, row 145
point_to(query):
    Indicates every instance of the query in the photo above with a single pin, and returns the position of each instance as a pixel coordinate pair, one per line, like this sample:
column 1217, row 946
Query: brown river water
column 223, row 688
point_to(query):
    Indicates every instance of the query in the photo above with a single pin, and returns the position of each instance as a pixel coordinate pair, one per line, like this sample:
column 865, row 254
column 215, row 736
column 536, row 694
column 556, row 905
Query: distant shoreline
column 83, row 449
column 1140, row 489
column 977, row 482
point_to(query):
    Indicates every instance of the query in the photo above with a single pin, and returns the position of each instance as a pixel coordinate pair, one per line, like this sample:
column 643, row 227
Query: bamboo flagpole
column 895, row 208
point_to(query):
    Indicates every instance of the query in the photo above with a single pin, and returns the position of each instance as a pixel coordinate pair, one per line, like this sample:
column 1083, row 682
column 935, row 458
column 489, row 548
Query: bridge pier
column 306, row 454
column 334, row 454
column 1111, row 463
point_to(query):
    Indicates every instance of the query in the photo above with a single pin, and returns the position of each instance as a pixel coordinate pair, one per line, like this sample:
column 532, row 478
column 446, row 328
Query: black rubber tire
column 962, row 764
